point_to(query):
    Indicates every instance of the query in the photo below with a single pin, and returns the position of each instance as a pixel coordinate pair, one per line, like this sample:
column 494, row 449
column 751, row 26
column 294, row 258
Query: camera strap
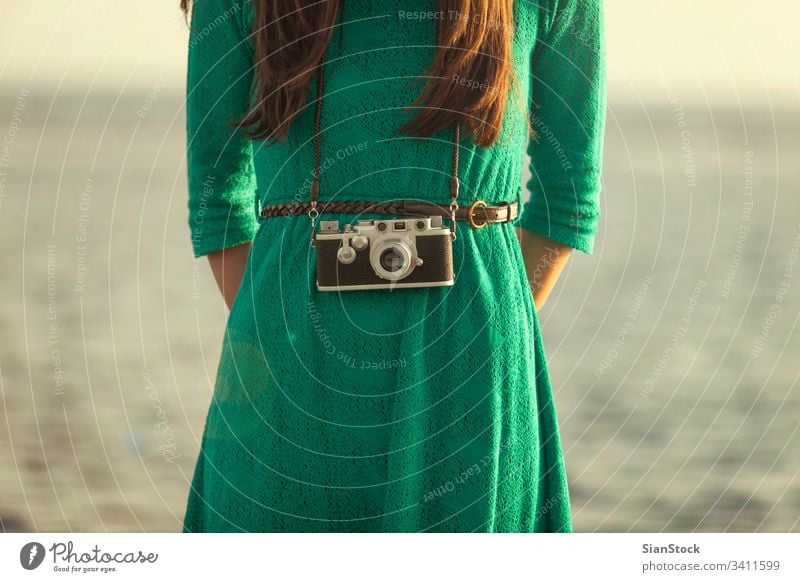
column 313, row 212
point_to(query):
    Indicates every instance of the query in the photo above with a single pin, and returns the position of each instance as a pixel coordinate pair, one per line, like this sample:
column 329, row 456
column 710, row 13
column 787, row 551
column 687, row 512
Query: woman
column 401, row 409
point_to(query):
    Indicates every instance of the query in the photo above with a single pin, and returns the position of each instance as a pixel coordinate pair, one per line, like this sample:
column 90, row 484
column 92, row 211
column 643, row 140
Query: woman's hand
column 228, row 267
column 544, row 261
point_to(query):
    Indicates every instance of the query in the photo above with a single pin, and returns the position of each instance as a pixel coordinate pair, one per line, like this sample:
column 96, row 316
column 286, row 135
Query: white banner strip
column 400, row 557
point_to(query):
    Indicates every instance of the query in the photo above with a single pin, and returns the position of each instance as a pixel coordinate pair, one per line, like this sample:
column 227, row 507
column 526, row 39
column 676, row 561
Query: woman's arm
column 221, row 174
column 544, row 261
column 228, row 267
column 568, row 103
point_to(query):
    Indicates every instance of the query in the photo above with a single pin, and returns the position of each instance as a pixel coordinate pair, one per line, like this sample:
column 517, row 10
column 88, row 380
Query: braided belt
column 478, row 214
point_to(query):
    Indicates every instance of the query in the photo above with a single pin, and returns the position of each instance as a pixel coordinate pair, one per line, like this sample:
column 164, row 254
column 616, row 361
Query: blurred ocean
column 673, row 348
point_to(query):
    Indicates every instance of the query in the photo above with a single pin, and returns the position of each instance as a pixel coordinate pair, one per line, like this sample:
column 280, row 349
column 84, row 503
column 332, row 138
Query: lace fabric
column 409, row 410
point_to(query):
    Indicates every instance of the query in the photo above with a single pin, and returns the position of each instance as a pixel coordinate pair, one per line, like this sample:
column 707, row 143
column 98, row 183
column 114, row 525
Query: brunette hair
column 473, row 43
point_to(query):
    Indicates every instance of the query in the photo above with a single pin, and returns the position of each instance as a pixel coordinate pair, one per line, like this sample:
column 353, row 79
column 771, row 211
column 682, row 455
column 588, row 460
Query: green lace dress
column 409, row 410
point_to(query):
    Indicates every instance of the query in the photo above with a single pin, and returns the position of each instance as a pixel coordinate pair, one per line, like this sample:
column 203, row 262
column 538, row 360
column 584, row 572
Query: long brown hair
column 473, row 44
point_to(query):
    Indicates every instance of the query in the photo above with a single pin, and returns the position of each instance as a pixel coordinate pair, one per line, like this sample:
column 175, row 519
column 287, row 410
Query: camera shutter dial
column 360, row 242
column 346, row 254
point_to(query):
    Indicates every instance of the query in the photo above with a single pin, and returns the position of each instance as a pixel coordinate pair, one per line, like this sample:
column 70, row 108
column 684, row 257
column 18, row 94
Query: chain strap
column 313, row 213
column 454, row 183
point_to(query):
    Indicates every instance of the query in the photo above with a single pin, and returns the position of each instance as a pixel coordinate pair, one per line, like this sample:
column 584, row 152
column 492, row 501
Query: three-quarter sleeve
column 219, row 157
column 568, row 108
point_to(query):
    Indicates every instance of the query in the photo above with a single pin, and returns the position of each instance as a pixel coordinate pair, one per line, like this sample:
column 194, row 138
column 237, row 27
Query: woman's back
column 416, row 409
column 377, row 53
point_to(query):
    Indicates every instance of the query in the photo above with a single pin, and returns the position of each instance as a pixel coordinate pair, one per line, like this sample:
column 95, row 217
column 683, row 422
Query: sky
column 727, row 51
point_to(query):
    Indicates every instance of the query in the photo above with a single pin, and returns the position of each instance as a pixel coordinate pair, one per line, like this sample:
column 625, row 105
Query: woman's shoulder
column 533, row 18
column 542, row 14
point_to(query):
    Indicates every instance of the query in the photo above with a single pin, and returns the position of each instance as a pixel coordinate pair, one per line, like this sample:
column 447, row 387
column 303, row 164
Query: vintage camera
column 384, row 254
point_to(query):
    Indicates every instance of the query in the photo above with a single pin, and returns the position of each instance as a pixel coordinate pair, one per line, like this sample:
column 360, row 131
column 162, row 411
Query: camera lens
column 392, row 259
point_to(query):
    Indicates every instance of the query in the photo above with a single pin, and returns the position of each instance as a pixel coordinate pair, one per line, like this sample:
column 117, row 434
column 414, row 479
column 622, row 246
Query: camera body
column 384, row 254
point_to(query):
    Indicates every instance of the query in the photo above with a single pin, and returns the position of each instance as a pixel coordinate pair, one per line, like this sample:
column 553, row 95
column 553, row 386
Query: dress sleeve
column 568, row 94
column 219, row 157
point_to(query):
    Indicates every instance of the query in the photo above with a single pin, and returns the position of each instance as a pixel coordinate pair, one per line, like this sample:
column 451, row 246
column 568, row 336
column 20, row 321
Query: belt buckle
column 471, row 214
